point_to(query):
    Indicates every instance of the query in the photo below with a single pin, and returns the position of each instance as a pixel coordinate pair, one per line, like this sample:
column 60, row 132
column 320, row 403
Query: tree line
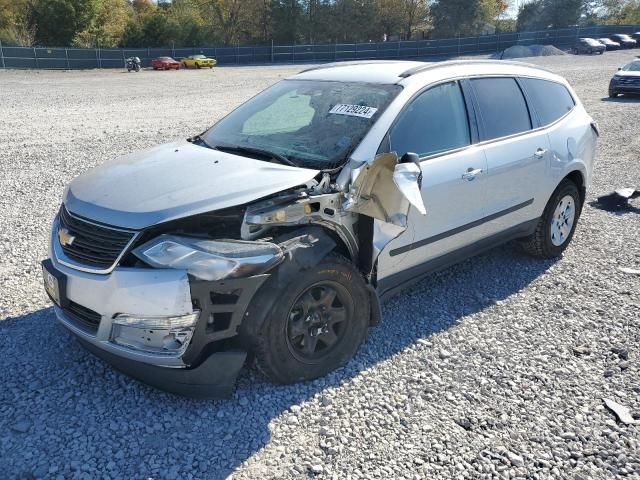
column 144, row 23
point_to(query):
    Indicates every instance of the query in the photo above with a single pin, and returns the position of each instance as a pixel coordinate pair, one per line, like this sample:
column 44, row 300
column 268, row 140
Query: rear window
column 550, row 100
column 502, row 107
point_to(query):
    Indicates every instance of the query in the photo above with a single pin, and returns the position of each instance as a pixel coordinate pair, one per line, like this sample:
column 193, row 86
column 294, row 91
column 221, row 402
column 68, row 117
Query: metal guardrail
column 83, row 58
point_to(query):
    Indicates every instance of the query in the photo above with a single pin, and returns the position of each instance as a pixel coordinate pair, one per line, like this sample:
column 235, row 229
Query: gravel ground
column 474, row 373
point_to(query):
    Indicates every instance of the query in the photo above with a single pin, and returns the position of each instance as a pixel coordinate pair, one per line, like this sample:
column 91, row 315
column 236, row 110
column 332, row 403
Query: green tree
column 58, row 21
column 456, row 17
column 108, row 26
column 16, row 23
column 562, row 13
column 530, row 16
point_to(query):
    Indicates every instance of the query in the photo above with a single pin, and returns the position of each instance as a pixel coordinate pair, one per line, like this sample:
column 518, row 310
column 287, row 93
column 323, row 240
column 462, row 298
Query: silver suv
column 277, row 233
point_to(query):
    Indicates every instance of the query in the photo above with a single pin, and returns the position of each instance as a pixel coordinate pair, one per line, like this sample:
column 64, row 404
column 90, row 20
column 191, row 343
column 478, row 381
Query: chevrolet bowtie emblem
column 65, row 237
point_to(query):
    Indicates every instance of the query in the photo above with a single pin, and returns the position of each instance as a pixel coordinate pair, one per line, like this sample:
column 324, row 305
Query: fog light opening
column 154, row 335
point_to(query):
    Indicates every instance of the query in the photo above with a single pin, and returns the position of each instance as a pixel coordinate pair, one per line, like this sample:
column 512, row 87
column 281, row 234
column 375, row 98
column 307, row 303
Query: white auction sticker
column 354, row 110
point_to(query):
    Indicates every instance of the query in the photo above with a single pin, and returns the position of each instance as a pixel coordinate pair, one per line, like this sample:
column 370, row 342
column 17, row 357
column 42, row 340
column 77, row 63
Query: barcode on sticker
column 354, row 110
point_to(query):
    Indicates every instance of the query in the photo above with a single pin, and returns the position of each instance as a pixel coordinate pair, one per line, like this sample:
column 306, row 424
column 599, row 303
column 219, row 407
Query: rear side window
column 550, row 100
column 502, row 107
column 435, row 122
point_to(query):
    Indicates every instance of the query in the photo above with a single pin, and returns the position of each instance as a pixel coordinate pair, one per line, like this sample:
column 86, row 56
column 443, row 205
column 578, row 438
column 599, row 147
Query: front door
column 435, row 125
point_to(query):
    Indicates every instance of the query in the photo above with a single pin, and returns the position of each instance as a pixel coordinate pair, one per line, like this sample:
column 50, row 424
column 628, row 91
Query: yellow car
column 198, row 61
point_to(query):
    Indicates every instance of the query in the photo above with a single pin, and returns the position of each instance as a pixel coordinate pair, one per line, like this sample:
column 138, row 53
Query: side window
column 434, row 122
column 502, row 107
column 550, row 100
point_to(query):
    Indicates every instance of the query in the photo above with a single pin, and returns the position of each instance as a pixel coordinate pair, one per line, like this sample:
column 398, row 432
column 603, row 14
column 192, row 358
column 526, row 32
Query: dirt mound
column 522, row 51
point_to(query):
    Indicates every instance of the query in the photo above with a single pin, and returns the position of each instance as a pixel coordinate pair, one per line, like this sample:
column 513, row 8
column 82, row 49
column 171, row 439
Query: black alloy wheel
column 316, row 321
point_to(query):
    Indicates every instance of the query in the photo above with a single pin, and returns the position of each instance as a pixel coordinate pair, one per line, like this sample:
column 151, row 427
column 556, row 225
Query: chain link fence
column 83, row 58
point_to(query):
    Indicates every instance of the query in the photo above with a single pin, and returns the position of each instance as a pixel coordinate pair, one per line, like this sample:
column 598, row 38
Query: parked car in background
column 636, row 36
column 277, row 233
column 588, row 46
column 626, row 80
column 609, row 44
column 198, row 61
column 165, row 63
column 624, row 40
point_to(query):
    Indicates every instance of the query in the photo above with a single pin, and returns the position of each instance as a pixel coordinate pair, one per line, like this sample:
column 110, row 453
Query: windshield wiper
column 256, row 151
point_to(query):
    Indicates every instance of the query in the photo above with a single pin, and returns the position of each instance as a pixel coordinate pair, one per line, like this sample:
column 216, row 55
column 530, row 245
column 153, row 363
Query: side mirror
column 411, row 157
column 619, row 68
column 408, row 178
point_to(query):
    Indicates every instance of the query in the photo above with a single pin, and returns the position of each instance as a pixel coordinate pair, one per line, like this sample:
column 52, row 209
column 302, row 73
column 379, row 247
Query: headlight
column 157, row 335
column 210, row 259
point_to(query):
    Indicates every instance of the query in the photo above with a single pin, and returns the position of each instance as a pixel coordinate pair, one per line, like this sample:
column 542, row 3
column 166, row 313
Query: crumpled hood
column 173, row 181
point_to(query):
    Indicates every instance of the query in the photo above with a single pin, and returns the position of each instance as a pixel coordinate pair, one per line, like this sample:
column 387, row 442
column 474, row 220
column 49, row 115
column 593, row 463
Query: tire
column 304, row 311
column 550, row 242
column 198, row 66
column 613, row 94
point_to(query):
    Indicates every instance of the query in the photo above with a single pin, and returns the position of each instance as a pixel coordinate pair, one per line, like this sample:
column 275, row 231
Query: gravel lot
column 494, row 368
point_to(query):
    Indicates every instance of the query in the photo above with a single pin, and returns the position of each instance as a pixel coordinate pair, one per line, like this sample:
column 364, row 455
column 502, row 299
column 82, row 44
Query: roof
column 404, row 72
column 373, row 71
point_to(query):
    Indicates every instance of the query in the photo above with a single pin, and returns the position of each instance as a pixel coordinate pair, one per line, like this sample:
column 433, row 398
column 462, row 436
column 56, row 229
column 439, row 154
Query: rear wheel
column 317, row 325
column 557, row 225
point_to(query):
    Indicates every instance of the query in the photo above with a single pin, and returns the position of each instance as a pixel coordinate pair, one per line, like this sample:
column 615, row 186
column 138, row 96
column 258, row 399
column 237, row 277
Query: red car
column 165, row 63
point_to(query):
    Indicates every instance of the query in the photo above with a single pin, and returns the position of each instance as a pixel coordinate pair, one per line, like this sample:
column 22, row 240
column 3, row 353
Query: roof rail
column 349, row 63
column 448, row 63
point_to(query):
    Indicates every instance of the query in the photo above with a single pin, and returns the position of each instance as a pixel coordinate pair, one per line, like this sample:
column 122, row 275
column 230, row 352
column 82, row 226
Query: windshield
column 591, row 41
column 310, row 123
column 632, row 67
column 198, row 56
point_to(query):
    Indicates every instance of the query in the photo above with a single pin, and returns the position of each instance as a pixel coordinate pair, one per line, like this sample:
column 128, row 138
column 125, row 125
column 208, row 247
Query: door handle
column 471, row 173
column 540, row 153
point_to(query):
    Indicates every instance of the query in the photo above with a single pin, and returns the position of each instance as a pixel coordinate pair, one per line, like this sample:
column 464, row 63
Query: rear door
column 517, row 153
column 437, row 126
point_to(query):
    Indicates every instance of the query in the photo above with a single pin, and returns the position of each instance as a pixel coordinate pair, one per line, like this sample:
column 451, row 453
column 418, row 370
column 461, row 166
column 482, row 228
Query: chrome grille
column 93, row 245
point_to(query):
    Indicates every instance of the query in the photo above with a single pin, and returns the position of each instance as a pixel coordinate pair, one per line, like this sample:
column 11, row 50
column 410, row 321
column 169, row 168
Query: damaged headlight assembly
column 211, row 259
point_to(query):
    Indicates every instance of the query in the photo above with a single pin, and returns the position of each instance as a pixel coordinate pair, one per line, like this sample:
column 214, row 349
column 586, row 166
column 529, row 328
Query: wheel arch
column 578, row 178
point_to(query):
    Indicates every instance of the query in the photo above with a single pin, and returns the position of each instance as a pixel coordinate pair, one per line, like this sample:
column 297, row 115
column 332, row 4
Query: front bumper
column 206, row 369
column 213, row 378
column 619, row 87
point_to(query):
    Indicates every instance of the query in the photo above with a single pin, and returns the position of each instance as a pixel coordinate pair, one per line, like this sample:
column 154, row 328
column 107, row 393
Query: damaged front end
column 233, row 263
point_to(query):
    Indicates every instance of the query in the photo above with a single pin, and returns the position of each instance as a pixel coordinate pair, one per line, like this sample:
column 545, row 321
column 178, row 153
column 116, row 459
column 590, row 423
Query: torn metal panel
column 385, row 189
column 303, row 209
column 375, row 194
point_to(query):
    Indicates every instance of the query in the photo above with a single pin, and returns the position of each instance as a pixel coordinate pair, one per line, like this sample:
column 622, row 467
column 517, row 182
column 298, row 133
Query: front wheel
column 317, row 325
column 557, row 225
column 198, row 66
